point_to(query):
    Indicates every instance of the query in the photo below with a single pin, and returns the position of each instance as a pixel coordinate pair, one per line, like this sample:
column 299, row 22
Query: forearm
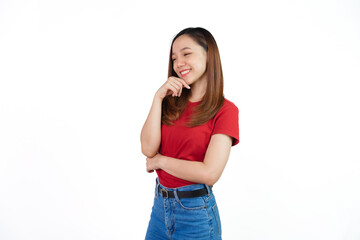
column 207, row 172
column 192, row 171
column 151, row 132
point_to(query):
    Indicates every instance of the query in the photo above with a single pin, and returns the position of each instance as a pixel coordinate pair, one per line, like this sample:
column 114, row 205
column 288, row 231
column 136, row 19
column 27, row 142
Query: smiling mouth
column 184, row 73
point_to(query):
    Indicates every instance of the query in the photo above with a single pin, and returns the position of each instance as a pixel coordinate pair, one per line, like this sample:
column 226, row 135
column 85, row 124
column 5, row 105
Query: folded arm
column 206, row 172
column 151, row 132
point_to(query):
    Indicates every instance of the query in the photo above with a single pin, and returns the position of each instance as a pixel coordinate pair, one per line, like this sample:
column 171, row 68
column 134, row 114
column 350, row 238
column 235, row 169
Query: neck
column 198, row 90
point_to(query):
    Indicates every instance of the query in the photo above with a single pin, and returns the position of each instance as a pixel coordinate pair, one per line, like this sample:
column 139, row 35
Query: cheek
column 201, row 64
column 202, row 67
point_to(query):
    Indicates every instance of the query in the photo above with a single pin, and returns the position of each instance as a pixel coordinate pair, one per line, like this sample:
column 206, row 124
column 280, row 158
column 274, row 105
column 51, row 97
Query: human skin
column 189, row 62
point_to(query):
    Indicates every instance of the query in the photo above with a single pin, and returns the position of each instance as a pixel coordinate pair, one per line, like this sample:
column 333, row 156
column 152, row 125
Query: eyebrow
column 185, row 48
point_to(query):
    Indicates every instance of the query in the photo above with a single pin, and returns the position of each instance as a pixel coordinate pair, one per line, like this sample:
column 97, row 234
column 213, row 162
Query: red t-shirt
column 190, row 143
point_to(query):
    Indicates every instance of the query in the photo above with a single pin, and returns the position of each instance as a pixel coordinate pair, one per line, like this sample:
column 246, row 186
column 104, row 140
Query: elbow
column 210, row 178
column 149, row 148
column 210, row 181
column 148, row 152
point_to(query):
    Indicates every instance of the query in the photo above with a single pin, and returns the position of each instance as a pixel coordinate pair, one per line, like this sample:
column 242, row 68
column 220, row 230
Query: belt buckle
column 166, row 191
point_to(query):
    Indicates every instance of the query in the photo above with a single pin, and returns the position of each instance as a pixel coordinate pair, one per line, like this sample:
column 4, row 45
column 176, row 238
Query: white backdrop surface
column 77, row 80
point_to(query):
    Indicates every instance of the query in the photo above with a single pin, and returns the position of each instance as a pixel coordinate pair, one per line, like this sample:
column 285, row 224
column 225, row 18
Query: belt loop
column 176, row 195
column 157, row 188
column 208, row 189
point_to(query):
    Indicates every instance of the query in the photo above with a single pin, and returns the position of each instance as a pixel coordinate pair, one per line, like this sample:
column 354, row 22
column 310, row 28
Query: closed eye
column 184, row 55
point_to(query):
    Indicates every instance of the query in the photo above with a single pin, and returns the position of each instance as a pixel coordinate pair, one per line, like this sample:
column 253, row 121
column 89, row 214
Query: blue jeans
column 185, row 218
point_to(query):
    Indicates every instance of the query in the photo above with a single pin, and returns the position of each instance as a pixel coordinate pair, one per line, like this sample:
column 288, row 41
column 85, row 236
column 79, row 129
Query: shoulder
column 226, row 121
column 228, row 106
column 228, row 109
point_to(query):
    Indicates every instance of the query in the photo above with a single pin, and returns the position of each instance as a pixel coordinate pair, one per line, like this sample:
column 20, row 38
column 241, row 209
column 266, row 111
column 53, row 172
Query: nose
column 180, row 62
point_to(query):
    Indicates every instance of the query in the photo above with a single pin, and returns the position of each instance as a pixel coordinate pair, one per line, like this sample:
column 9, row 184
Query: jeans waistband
column 185, row 191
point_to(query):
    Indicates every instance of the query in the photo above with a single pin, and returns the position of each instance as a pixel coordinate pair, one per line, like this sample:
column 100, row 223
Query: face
column 189, row 59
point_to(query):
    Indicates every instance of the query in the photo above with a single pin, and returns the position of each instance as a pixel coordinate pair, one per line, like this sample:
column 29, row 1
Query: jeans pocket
column 192, row 203
column 217, row 217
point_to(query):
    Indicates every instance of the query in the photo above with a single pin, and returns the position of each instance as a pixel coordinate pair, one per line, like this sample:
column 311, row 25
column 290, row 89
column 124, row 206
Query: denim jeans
column 184, row 218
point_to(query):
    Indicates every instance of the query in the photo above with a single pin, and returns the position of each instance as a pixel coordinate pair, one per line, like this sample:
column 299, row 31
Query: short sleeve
column 226, row 121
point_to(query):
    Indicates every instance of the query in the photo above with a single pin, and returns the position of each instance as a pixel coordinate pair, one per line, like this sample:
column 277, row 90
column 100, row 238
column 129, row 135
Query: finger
column 172, row 89
column 148, row 169
column 183, row 83
column 175, row 86
column 181, row 89
column 180, row 84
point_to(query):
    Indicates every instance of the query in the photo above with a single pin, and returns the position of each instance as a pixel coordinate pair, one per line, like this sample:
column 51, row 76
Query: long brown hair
column 213, row 99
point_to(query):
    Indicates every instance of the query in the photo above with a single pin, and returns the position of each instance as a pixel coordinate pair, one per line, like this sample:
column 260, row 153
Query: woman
column 187, row 138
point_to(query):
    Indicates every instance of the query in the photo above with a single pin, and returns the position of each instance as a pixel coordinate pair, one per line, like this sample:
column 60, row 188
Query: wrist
column 161, row 161
column 158, row 97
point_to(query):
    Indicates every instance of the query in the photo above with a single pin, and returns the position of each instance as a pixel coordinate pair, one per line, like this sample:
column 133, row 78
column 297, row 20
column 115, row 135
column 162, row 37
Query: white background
column 77, row 80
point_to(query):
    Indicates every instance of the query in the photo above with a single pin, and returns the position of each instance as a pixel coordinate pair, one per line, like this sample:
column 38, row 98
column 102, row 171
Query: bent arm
column 151, row 132
column 207, row 172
